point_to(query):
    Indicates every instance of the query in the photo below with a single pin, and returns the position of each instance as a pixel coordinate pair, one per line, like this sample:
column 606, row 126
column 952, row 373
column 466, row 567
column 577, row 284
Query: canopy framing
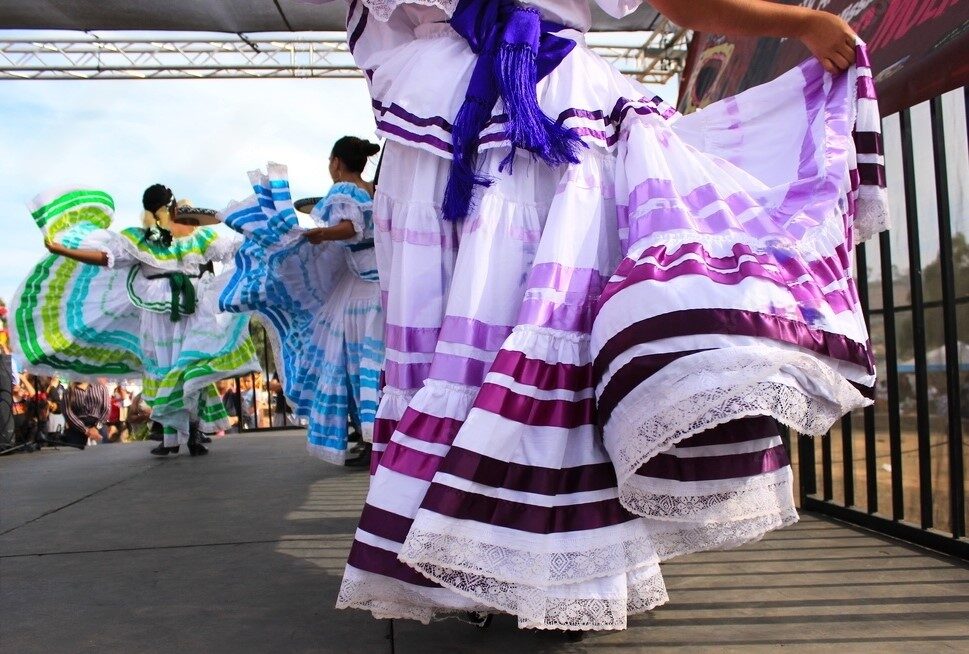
column 110, row 55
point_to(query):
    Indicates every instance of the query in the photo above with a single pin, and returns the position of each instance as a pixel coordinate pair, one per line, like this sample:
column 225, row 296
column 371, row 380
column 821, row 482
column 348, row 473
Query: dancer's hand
column 830, row 39
column 52, row 247
column 315, row 235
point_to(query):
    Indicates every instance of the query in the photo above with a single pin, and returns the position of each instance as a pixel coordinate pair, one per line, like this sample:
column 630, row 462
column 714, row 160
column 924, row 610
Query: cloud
column 198, row 137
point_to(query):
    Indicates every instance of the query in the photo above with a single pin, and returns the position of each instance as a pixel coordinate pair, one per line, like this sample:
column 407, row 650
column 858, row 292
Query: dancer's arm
column 828, row 37
column 93, row 257
column 25, row 382
column 339, row 232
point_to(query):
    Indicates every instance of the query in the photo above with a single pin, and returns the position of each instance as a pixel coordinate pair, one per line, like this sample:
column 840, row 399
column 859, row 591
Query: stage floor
column 112, row 550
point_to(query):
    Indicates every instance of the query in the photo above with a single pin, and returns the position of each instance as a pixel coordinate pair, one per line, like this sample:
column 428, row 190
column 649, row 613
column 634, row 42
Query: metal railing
column 898, row 467
column 251, row 402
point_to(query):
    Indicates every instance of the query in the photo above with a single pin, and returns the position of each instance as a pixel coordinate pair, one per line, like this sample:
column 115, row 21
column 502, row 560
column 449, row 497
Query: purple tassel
column 459, row 193
column 528, row 126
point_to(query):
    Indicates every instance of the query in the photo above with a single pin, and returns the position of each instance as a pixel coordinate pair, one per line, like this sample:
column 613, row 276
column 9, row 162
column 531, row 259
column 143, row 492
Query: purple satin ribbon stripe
column 872, row 174
column 536, row 413
column 476, row 333
column 458, row 369
column 711, row 468
column 625, row 380
column 565, row 279
column 496, row 473
column 425, row 139
column 384, row 524
column 555, row 315
column 869, row 143
column 741, row 430
column 734, row 322
column 410, row 463
column 805, row 293
column 383, row 429
column 790, row 270
column 524, row 517
column 428, row 428
column 407, row 376
column 383, row 562
column 411, row 339
column 357, row 31
column 542, row 375
column 866, row 88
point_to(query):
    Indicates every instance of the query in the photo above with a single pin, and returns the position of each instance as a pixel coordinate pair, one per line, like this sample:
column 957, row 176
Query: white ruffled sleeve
column 224, row 247
column 619, row 8
column 349, row 210
column 111, row 244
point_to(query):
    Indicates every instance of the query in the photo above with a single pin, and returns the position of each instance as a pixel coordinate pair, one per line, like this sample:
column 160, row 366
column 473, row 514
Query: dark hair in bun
column 155, row 197
column 354, row 152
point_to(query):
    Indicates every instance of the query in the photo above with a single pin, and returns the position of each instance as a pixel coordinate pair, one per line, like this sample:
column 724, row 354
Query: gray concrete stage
column 111, row 550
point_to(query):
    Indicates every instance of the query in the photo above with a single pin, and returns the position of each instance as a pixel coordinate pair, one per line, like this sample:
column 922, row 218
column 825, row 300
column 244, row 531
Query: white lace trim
column 468, row 567
column 762, row 496
column 551, row 333
column 388, row 598
column 872, row 213
column 697, row 396
column 382, row 9
column 572, row 558
column 536, row 609
column 704, row 537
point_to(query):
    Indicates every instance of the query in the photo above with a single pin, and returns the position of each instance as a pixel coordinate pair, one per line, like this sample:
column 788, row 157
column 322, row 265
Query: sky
column 198, row 137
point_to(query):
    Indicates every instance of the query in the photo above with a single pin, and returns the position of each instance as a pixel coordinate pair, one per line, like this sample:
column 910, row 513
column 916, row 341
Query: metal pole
column 848, row 462
column 918, row 322
column 871, row 469
column 957, row 497
column 891, row 376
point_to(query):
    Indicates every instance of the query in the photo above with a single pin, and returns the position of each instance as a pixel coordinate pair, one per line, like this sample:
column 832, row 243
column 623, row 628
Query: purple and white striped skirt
column 585, row 377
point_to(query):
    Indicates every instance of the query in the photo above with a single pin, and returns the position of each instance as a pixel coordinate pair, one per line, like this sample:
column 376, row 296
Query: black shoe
column 479, row 620
column 161, row 450
column 204, row 439
column 197, row 449
column 361, row 460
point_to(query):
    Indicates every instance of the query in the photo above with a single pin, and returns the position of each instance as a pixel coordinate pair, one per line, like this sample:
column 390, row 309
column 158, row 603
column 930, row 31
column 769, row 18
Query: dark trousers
column 74, row 437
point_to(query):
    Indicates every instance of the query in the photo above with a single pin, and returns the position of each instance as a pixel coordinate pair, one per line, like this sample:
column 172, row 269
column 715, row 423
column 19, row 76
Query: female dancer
column 317, row 292
column 597, row 308
column 140, row 301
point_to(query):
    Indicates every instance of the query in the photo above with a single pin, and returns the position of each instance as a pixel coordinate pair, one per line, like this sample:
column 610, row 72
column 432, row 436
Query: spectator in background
column 23, row 409
column 263, row 413
column 4, row 331
column 55, row 402
column 117, row 427
column 86, row 407
column 139, row 419
column 247, row 410
column 281, row 413
column 230, row 399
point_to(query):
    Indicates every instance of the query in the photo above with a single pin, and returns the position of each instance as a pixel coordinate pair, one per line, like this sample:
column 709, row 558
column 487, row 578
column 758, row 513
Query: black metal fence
column 254, row 401
column 898, row 467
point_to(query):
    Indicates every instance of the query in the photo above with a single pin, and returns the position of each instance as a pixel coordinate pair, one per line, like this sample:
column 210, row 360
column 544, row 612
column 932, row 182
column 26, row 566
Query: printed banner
column 918, row 48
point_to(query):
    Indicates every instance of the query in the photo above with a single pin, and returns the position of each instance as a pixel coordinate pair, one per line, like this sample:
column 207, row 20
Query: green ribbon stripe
column 85, row 359
column 68, row 201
